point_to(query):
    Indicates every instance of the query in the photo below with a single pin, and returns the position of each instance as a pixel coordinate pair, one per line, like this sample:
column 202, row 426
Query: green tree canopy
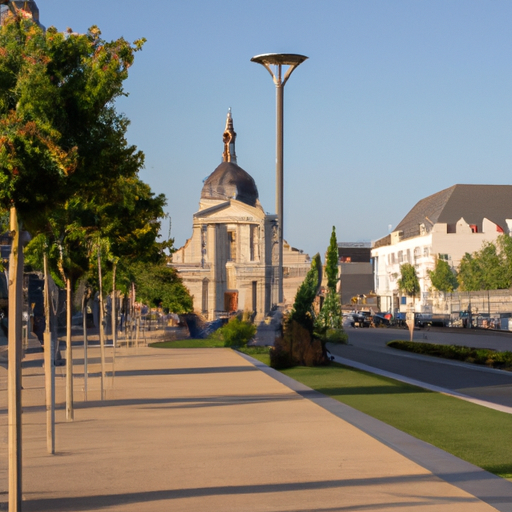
column 58, row 128
column 408, row 281
column 443, row 278
column 330, row 316
column 331, row 264
column 488, row 268
column 302, row 311
column 160, row 285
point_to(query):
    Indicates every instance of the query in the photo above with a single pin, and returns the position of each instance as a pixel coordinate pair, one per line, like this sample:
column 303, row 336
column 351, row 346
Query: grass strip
column 482, row 356
column 206, row 343
column 259, row 353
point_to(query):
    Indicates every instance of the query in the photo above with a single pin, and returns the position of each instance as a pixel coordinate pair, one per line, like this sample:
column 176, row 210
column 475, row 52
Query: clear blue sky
column 398, row 100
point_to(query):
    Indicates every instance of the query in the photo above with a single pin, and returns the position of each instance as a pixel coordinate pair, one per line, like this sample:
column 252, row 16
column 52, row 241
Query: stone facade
column 229, row 263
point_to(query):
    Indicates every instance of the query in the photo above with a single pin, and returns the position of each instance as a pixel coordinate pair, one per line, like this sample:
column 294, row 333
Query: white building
column 444, row 225
column 230, row 262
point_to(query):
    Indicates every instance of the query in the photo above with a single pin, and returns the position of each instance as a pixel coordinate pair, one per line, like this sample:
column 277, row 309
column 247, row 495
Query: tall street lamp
column 278, row 60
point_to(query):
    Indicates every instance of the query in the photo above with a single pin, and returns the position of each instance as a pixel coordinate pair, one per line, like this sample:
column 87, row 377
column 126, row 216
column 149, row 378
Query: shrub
column 483, row 356
column 236, row 333
column 336, row 336
column 279, row 358
column 296, row 347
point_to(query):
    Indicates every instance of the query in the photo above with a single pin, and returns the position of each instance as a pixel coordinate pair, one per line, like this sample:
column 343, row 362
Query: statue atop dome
column 229, row 137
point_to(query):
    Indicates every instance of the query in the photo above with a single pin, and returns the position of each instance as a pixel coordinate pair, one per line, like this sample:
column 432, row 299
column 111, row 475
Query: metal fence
column 491, row 309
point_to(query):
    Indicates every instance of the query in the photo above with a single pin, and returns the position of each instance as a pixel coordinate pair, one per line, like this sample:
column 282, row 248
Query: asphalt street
column 368, row 346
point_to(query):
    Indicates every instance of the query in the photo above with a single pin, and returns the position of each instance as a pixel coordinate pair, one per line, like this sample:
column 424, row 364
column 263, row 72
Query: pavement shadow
column 186, row 371
column 97, row 502
column 180, row 403
column 372, row 390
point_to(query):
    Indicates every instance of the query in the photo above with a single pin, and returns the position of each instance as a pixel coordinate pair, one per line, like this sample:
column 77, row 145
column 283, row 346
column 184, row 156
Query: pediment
column 232, row 210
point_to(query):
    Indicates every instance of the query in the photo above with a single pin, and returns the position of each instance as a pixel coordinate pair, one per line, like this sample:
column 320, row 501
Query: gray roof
column 229, row 181
column 472, row 202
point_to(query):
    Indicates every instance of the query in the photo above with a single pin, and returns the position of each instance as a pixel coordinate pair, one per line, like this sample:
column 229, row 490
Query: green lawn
column 207, row 343
column 259, row 353
column 476, row 434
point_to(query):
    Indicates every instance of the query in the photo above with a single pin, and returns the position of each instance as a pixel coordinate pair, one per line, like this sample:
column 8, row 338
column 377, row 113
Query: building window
column 255, row 296
column 400, row 256
column 403, row 301
column 425, row 252
column 444, row 257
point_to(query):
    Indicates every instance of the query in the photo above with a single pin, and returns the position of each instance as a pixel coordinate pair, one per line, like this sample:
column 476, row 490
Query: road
column 368, row 346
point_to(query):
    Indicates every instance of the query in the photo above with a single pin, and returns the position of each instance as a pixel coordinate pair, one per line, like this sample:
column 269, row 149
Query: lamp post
column 278, row 60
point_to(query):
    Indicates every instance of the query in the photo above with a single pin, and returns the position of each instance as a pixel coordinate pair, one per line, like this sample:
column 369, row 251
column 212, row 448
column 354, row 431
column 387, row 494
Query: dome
column 229, row 181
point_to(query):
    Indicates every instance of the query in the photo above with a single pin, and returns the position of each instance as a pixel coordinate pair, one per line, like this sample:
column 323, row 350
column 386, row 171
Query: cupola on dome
column 228, row 180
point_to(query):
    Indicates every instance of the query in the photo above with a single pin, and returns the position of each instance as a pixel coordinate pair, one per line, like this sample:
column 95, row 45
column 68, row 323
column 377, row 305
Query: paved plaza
column 210, row 429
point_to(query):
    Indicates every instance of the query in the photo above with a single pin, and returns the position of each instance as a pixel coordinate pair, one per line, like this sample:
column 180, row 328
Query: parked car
column 361, row 319
column 381, row 319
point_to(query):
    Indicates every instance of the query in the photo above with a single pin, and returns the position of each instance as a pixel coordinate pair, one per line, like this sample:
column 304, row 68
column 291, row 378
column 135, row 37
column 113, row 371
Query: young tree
column 443, row 278
column 302, row 311
column 331, row 263
column 298, row 344
column 160, row 285
column 59, row 131
column 504, row 244
column 486, row 269
column 331, row 316
column 408, row 281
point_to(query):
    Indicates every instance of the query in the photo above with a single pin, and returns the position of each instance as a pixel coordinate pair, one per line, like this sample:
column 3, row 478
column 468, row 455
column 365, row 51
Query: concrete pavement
column 210, row 429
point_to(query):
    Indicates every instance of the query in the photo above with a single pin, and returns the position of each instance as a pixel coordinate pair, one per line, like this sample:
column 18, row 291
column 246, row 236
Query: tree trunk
column 114, row 311
column 70, row 413
column 14, row 364
column 102, row 331
column 84, row 326
column 49, row 364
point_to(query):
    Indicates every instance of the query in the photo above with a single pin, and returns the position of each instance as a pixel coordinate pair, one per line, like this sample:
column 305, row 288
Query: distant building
column 27, row 8
column 230, row 262
column 444, row 225
column 356, row 270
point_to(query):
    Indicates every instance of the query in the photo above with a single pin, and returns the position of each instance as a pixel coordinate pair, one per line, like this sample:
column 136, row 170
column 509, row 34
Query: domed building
column 229, row 263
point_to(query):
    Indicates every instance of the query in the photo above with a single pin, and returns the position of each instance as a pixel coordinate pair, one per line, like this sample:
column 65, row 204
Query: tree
column 57, row 119
column 59, row 134
column 486, row 269
column 160, row 285
column 302, row 311
column 298, row 344
column 331, row 316
column 443, row 278
column 408, row 281
column 504, row 244
column 331, row 264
